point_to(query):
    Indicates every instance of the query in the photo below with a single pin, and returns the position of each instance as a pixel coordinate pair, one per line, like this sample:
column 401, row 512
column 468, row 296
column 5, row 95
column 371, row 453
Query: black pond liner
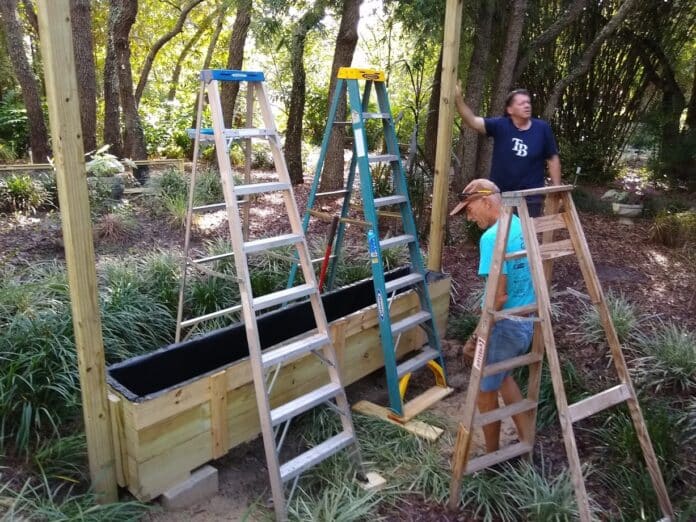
column 144, row 377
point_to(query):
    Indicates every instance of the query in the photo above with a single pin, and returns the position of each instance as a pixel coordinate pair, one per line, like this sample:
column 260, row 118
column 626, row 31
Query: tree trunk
column 346, row 41
column 112, row 107
column 583, row 66
column 293, row 134
column 433, row 114
column 14, row 38
column 235, row 58
column 475, row 84
column 504, row 78
column 161, row 42
column 133, row 136
column 83, row 43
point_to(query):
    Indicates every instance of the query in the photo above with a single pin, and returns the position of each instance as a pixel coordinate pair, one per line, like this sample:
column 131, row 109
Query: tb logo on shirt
column 518, row 147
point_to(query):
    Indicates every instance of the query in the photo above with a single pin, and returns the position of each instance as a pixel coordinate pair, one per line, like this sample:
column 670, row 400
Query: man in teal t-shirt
column 508, row 338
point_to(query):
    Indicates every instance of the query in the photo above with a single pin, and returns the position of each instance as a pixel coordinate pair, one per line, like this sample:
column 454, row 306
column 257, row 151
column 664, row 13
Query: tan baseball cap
column 476, row 189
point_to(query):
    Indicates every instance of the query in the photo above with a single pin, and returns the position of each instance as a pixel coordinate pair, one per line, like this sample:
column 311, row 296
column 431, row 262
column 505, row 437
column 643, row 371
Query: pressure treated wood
column 64, row 114
column 418, row 428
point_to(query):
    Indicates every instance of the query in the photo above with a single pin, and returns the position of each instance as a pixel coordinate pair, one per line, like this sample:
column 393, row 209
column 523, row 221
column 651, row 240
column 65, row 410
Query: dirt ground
column 658, row 280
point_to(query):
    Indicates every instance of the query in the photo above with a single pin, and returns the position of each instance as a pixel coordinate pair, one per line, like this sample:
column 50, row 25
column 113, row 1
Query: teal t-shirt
column 520, row 289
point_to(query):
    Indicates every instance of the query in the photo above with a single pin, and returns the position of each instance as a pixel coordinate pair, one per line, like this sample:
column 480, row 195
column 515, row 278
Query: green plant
column 172, row 183
column 339, row 502
column 261, row 157
column 116, row 226
column 586, row 201
column 208, row 188
column 63, row 458
column 461, row 326
column 177, row 208
column 103, row 164
column 20, row 193
column 623, row 314
column 381, row 180
column 674, row 229
column 666, row 358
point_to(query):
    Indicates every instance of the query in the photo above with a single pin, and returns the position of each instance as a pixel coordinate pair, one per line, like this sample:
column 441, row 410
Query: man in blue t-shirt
column 522, row 148
column 508, row 338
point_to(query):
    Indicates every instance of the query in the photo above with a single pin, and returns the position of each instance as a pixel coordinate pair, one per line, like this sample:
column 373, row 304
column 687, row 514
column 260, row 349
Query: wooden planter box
column 177, row 408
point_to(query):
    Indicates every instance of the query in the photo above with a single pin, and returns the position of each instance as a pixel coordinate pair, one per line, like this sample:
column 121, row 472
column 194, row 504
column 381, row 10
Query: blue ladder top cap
column 230, row 75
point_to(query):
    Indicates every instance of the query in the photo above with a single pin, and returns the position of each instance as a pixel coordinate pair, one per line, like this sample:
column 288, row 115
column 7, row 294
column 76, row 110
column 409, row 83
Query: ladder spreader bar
column 352, row 73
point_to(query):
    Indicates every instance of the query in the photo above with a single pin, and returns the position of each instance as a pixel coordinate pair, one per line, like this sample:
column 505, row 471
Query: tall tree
column 293, row 135
column 161, row 42
column 430, row 145
column 346, row 41
column 14, row 39
column 125, row 12
column 112, row 106
column 235, row 57
column 83, row 44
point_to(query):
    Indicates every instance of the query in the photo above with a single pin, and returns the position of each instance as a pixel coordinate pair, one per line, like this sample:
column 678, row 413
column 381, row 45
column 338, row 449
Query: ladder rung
column 395, row 241
column 259, row 188
column 598, row 402
column 511, row 364
column 548, row 223
column 504, row 412
column 293, row 350
column 267, row 243
column 309, row 458
column 376, row 115
column 205, row 208
column 330, row 193
column 210, row 259
column 238, row 134
column 212, row 315
column 410, row 321
column 556, row 249
column 382, row 158
column 515, row 255
column 304, row 402
column 489, row 459
column 417, row 362
column 402, row 282
column 321, row 259
column 283, row 296
column 389, row 200
column 517, row 312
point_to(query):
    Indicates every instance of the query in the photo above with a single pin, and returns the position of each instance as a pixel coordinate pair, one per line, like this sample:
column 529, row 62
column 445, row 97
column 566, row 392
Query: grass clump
column 21, row 193
column 586, row 201
column 666, row 358
column 461, row 326
column 624, row 316
column 674, row 229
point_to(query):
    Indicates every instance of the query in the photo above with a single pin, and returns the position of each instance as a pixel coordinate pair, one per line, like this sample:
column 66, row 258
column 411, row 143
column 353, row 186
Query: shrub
column 116, row 226
column 586, row 201
column 176, row 207
column 461, row 326
column 623, row 314
column 261, row 157
column 208, row 188
column 674, row 229
column 20, row 193
column 172, row 183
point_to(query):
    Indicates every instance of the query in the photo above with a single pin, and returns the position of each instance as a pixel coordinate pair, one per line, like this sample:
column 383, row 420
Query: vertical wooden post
column 66, row 131
column 450, row 62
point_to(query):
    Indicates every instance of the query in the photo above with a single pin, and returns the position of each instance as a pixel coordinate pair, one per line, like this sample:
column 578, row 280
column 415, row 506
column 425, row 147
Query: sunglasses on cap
column 480, row 192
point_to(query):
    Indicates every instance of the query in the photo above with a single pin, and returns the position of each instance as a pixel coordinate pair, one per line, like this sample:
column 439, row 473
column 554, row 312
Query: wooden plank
column 490, row 459
column 543, row 191
column 601, row 401
column 424, row 401
column 218, row 413
column 505, row 412
column 418, row 428
column 117, row 429
column 510, row 364
column 448, row 80
column 549, row 222
column 64, row 115
column 556, row 249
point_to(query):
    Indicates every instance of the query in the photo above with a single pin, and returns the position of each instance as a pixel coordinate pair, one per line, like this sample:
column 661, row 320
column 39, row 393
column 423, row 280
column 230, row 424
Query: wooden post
column 450, row 62
column 64, row 112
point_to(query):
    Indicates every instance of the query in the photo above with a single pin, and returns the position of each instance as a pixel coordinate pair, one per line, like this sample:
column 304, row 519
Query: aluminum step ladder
column 430, row 354
column 560, row 215
column 266, row 365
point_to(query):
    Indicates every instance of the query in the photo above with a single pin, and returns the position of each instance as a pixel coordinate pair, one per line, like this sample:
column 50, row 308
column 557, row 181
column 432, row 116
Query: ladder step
column 489, row 459
column 376, row 115
column 511, row 364
column 238, row 134
column 382, row 158
column 260, row 188
column 309, row 458
column 396, row 241
column 417, row 362
column 231, row 75
column 410, row 321
column 515, row 255
column 210, row 259
column 304, row 402
column 332, row 193
column 598, row 402
column 267, row 243
column 293, row 350
column 389, row 200
column 283, row 296
column 556, row 249
column 206, row 208
column 504, row 412
column 549, row 222
column 212, row 315
column 517, row 312
column 401, row 282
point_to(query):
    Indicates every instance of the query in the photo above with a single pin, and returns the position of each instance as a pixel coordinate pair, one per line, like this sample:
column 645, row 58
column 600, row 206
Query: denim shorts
column 508, row 339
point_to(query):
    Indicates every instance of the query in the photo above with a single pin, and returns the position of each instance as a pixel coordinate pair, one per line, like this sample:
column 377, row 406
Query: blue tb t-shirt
column 520, row 288
column 519, row 156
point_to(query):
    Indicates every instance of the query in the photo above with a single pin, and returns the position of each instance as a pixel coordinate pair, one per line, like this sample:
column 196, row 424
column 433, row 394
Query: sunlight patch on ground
column 660, row 259
column 211, row 221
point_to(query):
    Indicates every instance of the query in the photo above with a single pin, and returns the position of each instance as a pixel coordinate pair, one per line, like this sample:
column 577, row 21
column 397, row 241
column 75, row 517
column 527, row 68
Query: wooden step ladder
column 266, row 365
column 560, row 214
column 430, row 354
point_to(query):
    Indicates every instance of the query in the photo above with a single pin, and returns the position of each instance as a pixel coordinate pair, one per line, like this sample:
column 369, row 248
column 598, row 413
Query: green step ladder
column 430, row 354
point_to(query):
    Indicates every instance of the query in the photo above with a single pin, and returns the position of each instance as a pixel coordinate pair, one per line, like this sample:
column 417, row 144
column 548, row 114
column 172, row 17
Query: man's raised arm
column 468, row 116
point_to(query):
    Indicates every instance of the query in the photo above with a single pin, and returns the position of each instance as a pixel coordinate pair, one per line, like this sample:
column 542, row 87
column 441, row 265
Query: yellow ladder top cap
column 352, row 73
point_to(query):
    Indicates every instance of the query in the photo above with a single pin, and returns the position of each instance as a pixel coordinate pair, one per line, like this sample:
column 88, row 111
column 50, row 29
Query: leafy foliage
column 674, row 229
column 623, row 314
column 21, row 193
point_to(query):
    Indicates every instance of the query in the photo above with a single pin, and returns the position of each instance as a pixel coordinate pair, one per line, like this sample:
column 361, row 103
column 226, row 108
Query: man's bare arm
column 554, row 164
column 468, row 116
